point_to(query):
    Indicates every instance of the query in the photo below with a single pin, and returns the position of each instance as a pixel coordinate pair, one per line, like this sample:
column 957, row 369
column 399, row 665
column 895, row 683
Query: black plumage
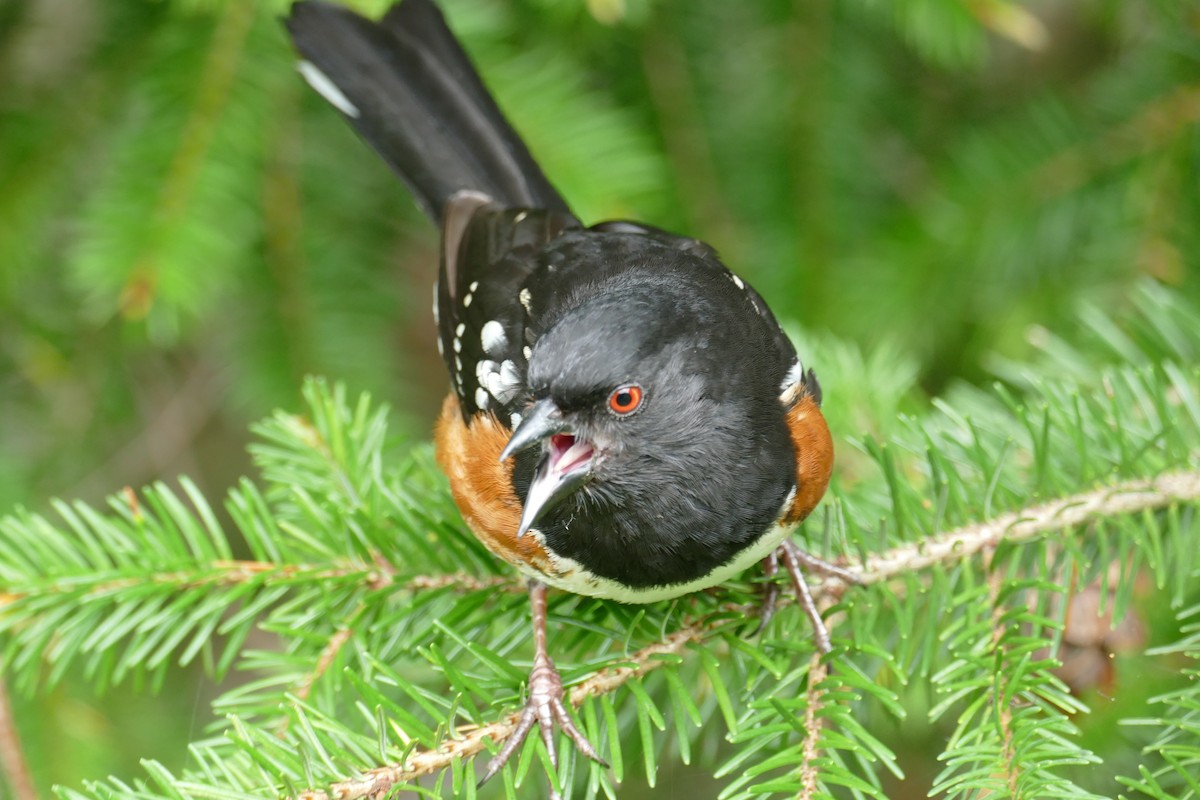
column 594, row 307
column 662, row 431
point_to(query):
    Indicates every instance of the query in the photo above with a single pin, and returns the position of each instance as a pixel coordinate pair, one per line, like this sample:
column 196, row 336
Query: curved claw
column 821, row 566
column 544, row 707
column 797, row 562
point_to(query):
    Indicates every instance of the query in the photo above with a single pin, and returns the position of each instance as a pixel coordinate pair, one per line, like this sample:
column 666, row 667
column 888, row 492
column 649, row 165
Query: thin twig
column 1005, row 715
column 1029, row 523
column 818, row 669
column 462, row 582
column 233, row 572
column 955, row 545
column 332, row 648
column 12, row 759
column 329, row 652
column 995, row 581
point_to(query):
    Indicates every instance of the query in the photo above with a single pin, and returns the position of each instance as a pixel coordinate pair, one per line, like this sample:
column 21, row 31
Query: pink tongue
column 566, row 453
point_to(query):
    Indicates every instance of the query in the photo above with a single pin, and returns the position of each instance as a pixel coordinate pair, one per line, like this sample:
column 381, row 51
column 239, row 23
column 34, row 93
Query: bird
column 627, row 419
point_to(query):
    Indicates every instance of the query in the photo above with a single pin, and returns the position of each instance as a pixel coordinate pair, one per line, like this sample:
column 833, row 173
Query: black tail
column 409, row 89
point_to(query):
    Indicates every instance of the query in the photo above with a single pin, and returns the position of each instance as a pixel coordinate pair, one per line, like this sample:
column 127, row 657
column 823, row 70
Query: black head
column 656, row 409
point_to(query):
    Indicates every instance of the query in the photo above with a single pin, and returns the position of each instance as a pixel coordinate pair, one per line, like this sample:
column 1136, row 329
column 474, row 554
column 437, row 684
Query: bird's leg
column 797, row 562
column 766, row 611
column 545, row 704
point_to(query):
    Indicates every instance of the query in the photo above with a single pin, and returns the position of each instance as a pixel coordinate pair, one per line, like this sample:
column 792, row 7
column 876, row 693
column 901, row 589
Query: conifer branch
column 462, row 582
column 818, row 669
column 228, row 573
column 995, row 581
column 959, row 544
column 328, row 654
column 1019, row 526
column 215, row 573
column 469, row 740
column 12, row 758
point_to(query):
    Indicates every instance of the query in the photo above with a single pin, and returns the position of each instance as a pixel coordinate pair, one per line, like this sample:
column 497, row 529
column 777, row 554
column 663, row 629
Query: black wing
column 482, row 302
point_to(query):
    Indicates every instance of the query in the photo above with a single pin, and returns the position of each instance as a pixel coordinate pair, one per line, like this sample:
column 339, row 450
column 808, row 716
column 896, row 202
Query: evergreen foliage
column 992, row 204
column 400, row 644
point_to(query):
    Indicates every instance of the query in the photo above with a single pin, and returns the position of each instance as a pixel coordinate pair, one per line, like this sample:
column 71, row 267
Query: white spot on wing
column 481, row 399
column 504, row 384
column 462, row 326
column 737, row 281
column 526, row 299
column 492, row 337
column 484, row 368
column 509, row 373
column 474, row 285
column 515, row 419
column 503, row 381
column 320, row 82
column 520, row 216
column 467, row 300
column 528, row 351
column 457, row 344
column 793, row 377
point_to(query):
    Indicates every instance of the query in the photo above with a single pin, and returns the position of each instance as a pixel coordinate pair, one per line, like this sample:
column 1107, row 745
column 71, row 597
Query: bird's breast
column 571, row 576
column 482, row 485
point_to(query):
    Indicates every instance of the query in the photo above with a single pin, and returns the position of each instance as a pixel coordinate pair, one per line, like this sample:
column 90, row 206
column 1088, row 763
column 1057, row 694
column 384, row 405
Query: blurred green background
column 186, row 230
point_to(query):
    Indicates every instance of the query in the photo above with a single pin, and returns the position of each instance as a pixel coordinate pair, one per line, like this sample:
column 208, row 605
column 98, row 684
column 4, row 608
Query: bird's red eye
column 625, row 399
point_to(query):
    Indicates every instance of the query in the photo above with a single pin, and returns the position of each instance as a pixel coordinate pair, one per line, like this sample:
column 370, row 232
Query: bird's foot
column 544, row 707
column 797, row 562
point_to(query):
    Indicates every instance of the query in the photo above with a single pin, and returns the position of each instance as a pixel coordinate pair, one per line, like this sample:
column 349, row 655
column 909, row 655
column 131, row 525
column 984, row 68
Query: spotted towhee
column 627, row 419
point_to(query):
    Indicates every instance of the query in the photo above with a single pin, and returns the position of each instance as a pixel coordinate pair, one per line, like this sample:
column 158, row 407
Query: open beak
column 566, row 462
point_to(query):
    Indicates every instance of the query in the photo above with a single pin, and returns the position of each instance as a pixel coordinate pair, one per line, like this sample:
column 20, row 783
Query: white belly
column 571, row 576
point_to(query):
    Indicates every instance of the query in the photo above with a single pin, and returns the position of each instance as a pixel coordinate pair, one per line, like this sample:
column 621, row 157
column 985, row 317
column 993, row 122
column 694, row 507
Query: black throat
column 662, row 532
